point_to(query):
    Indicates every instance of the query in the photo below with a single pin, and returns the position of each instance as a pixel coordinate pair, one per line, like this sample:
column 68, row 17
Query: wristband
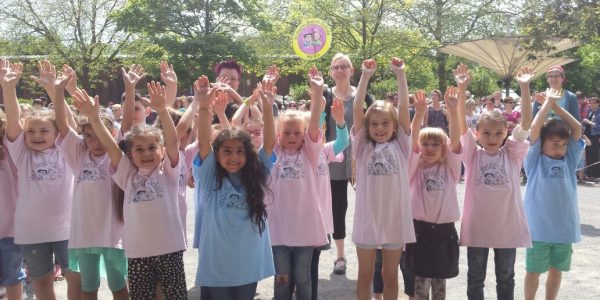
column 247, row 102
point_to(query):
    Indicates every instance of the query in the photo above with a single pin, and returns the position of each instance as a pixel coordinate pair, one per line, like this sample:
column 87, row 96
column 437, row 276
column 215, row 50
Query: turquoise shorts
column 93, row 262
column 543, row 256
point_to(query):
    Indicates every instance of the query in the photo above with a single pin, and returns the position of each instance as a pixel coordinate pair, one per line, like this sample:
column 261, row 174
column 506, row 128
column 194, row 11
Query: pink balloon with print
column 311, row 38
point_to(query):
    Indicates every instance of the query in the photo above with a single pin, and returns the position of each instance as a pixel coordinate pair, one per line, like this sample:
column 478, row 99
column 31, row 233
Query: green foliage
column 299, row 91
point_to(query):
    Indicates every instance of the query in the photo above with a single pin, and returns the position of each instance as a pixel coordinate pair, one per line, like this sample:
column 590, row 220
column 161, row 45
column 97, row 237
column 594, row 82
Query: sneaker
column 339, row 266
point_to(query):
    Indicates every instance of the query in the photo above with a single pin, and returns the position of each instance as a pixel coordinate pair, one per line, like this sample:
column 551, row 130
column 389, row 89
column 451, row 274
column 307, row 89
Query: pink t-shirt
column 184, row 174
column 493, row 215
column 152, row 223
column 94, row 221
column 45, row 190
column 324, row 185
column 293, row 210
column 383, row 213
column 433, row 189
column 8, row 196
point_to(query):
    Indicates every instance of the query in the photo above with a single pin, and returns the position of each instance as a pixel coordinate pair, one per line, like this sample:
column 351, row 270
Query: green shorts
column 544, row 256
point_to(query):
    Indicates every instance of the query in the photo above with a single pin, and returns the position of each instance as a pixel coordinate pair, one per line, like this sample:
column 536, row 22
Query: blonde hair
column 340, row 55
column 470, row 103
column 491, row 117
column 381, row 106
column 43, row 115
column 437, row 135
column 291, row 115
column 83, row 121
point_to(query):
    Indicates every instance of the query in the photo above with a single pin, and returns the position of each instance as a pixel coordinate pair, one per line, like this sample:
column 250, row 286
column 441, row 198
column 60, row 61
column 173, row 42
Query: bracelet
column 247, row 101
column 204, row 108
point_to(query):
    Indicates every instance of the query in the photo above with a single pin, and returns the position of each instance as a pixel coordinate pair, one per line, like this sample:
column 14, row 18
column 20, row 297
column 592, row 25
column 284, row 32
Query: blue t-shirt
column 231, row 250
column 551, row 194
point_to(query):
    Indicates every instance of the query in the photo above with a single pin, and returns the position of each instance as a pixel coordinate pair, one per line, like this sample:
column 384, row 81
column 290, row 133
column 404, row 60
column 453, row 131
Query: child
column 97, row 227
column 153, row 235
column 493, row 214
column 382, row 217
column 235, row 251
column 134, row 109
column 551, row 195
column 295, row 221
column 11, row 266
column 45, row 183
column 434, row 172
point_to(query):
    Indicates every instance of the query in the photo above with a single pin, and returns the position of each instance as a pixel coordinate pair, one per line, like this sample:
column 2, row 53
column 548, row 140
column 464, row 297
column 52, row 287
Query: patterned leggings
column 422, row 285
column 146, row 272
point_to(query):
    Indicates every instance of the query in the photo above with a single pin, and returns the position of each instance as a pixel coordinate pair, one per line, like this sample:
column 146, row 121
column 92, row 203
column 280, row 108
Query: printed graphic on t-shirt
column 492, row 174
column 46, row 171
column 555, row 172
column 434, row 181
column 91, row 172
column 229, row 198
column 182, row 172
column 290, row 168
column 383, row 163
column 322, row 168
column 144, row 190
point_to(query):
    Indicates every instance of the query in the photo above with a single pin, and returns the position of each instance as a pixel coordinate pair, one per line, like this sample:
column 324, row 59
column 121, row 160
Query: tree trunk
column 442, row 59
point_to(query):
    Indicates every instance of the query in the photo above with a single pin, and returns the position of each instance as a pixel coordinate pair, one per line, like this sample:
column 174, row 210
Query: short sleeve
column 358, row 141
column 172, row 172
column 469, row 147
column 123, row 172
column 205, row 171
column 533, row 155
column 330, row 156
column 313, row 149
column 17, row 149
column 574, row 150
column 405, row 142
column 190, row 152
column 267, row 161
column 454, row 162
column 72, row 147
column 517, row 150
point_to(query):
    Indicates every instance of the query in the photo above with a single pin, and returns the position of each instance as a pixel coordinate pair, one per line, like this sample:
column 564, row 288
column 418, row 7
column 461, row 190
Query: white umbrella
column 507, row 55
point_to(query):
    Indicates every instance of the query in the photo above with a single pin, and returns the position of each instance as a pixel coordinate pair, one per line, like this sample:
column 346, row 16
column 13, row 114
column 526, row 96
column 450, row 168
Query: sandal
column 339, row 266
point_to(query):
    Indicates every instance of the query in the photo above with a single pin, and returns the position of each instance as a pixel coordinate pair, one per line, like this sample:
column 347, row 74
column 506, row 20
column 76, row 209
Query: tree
column 448, row 21
column 195, row 33
column 80, row 33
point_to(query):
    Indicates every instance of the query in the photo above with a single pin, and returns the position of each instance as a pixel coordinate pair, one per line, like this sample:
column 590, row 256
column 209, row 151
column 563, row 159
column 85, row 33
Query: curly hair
column 253, row 175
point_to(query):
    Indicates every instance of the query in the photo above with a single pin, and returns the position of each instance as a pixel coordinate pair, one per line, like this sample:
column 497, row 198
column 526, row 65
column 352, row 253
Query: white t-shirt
column 45, row 184
column 152, row 222
column 94, row 220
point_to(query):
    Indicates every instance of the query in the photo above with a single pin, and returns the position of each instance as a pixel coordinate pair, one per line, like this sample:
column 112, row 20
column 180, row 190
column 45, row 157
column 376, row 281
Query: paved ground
column 583, row 282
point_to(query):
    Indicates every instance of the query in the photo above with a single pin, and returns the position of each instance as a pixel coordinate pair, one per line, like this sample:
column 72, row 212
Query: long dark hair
column 253, row 175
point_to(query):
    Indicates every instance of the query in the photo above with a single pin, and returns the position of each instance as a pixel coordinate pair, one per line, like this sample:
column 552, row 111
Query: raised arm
column 451, row 99
column 420, row 112
column 90, row 107
column 10, row 74
column 267, row 92
column 548, row 100
column 368, row 69
column 219, row 105
column 316, row 97
column 463, row 78
column 130, row 79
column 158, row 102
column 524, row 77
column 71, row 88
column 223, row 84
column 204, row 95
column 569, row 119
column 242, row 112
column 169, row 77
column 397, row 66
column 187, row 119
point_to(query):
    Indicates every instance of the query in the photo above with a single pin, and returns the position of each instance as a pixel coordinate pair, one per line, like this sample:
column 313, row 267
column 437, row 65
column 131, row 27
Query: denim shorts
column 384, row 246
column 39, row 257
column 11, row 263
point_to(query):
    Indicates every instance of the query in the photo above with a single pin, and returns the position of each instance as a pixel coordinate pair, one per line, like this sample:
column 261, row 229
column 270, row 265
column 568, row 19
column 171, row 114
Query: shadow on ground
column 590, row 230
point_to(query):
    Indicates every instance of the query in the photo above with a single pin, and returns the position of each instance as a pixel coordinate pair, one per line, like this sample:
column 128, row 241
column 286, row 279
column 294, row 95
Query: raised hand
column 420, row 102
column 272, row 74
column 219, row 103
column 368, row 67
column 133, row 76
column 553, row 94
column 50, row 80
column 203, row 93
column 338, row 111
column 72, row 83
column 167, row 73
column 539, row 97
column 10, row 74
column 525, row 76
column 397, row 65
column 267, row 92
column 451, row 97
column 462, row 76
column 85, row 104
column 158, row 95
column 315, row 79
